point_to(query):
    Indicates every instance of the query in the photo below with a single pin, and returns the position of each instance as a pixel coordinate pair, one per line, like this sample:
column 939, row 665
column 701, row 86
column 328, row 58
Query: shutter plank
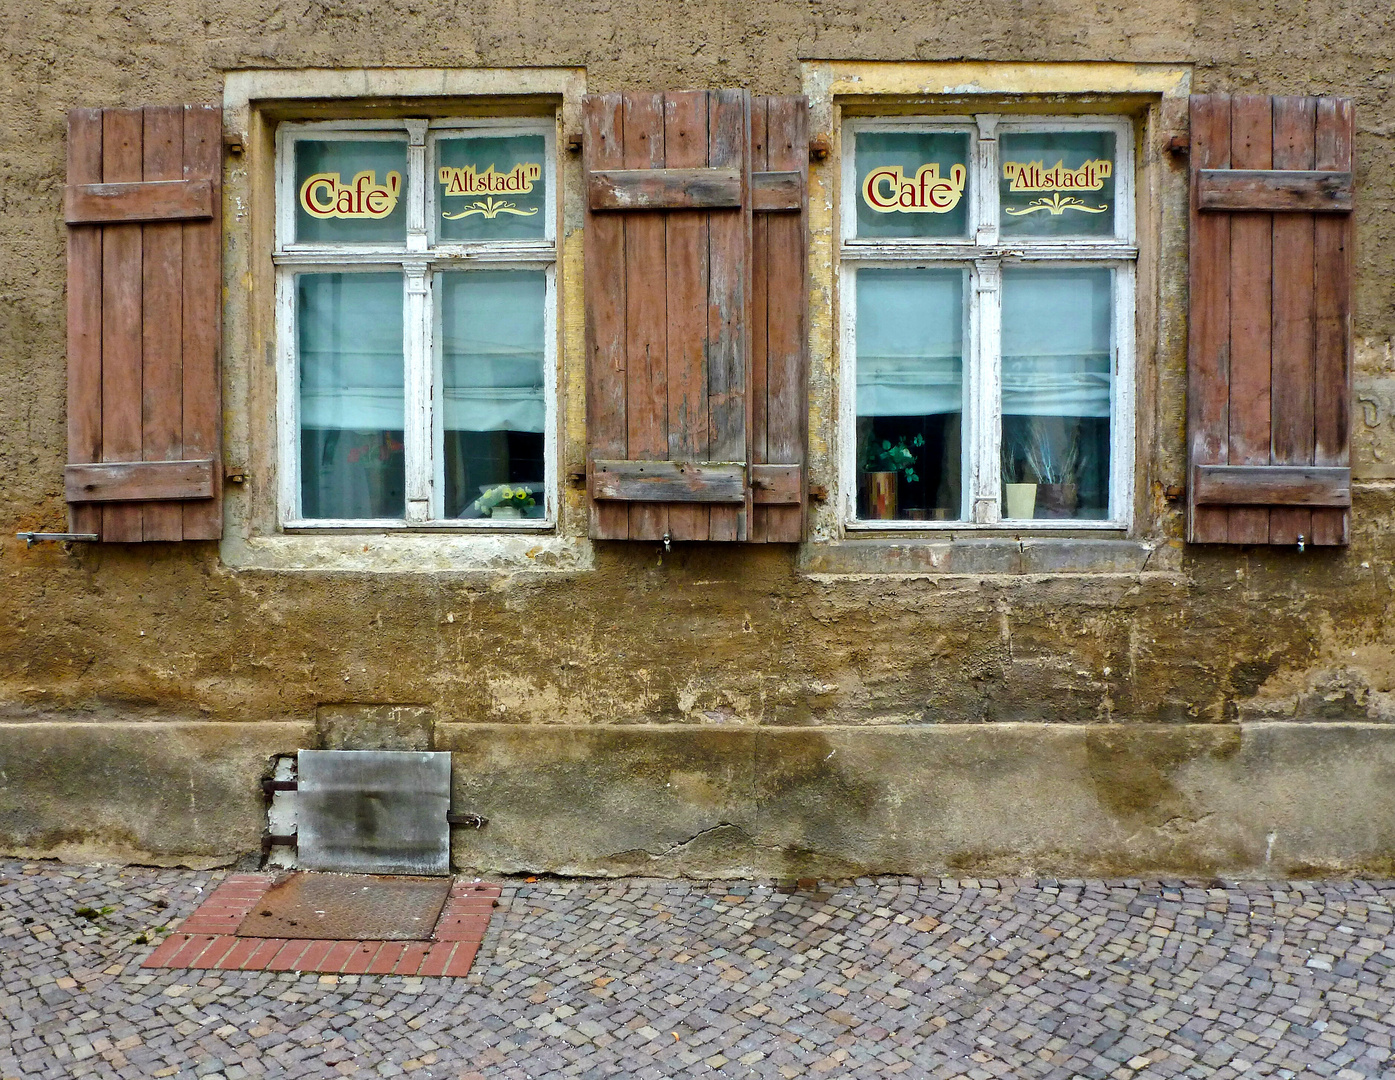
column 669, row 481
column 162, row 267
column 201, row 372
column 138, row 481
column 606, row 376
column 729, row 305
column 760, row 272
column 784, row 391
column 1280, row 486
column 646, row 339
column 670, row 188
column 1291, row 398
column 84, row 315
column 1251, row 276
column 122, row 278
column 685, row 147
column 1332, row 318
column 1208, row 353
column 1278, row 190
column 166, row 200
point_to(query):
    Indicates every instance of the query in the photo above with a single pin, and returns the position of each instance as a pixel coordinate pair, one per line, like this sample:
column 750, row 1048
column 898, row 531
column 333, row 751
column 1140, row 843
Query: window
column 415, row 311
column 987, row 305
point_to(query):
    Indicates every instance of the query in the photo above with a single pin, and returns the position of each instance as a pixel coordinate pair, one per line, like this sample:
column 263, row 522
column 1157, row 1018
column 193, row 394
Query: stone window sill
column 982, row 556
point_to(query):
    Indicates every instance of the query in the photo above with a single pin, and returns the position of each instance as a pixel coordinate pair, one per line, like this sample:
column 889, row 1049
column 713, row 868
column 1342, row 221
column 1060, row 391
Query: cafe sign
column 325, row 195
column 888, row 190
column 1033, row 176
column 468, row 181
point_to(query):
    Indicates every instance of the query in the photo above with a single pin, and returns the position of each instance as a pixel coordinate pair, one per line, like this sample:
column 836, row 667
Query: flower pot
column 881, row 495
column 1057, row 500
column 1021, row 501
column 506, row 512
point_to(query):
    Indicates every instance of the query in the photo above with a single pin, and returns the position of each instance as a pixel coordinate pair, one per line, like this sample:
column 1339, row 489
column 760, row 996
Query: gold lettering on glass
column 467, row 181
column 889, row 191
column 324, row 195
column 1033, row 176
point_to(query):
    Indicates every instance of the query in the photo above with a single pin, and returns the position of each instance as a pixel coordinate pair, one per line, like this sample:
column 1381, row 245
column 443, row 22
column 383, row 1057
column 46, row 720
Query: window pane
column 1056, row 183
column 1057, row 346
column 910, row 376
column 351, row 191
column 912, row 183
column 351, row 401
column 492, row 372
column 491, row 188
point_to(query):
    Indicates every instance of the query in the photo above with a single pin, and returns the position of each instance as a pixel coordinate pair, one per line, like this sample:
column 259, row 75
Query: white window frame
column 984, row 254
column 420, row 261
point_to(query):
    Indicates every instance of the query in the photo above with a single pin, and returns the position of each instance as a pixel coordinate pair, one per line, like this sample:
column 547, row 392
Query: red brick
column 199, row 923
column 411, row 958
column 338, row 956
column 310, row 959
column 461, row 961
column 195, row 944
column 362, row 957
column 219, row 948
column 286, row 958
column 263, row 954
column 461, row 928
column 240, row 953
column 166, row 949
column 387, row 958
column 437, row 958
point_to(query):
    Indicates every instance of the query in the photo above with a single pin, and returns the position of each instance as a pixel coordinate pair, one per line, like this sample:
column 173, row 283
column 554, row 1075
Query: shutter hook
column 668, row 545
column 1300, row 543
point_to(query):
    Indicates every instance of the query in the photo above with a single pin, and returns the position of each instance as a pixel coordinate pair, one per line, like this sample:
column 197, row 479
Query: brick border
column 208, row 938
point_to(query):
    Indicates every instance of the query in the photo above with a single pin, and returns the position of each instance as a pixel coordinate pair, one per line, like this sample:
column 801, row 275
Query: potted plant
column 1056, row 469
column 504, row 501
column 882, row 463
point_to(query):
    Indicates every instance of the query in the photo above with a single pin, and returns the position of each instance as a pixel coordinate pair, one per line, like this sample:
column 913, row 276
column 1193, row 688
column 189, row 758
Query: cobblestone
column 894, row 977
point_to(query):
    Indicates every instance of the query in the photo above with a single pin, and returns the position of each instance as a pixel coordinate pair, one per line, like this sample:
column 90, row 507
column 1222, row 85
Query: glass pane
column 912, row 183
column 1057, row 345
column 351, row 191
column 910, row 377
column 351, row 401
column 492, row 377
column 492, row 188
column 1057, row 183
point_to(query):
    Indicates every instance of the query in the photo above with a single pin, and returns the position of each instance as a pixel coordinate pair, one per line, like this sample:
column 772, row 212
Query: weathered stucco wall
column 703, row 637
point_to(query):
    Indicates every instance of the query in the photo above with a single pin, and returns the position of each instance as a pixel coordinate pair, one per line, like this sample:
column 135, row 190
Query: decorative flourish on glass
column 1056, row 205
column 490, row 208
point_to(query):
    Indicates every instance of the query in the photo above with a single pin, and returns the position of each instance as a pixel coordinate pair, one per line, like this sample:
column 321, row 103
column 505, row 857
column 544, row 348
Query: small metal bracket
column 473, row 821
column 270, row 786
column 32, row 538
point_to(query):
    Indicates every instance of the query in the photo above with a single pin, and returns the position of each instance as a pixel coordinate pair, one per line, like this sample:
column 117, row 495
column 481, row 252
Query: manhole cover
column 348, row 907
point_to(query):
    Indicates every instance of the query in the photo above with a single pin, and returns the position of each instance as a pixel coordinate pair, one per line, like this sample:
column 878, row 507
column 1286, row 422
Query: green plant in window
column 882, row 455
column 504, row 496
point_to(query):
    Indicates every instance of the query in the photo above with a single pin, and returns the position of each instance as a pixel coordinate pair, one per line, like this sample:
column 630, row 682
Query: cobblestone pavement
column 650, row 978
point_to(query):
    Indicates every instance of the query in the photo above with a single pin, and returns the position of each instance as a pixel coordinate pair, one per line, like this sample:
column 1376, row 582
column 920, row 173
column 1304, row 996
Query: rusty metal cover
column 373, row 811
column 348, row 907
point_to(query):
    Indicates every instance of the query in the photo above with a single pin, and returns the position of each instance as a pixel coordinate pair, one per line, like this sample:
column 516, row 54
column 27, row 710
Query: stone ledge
column 976, row 556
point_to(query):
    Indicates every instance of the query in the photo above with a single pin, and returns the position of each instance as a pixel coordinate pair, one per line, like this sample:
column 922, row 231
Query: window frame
column 984, row 253
column 420, row 261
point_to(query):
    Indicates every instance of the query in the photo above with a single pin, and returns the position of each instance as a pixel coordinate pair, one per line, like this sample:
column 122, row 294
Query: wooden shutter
column 694, row 417
column 144, row 270
column 1269, row 357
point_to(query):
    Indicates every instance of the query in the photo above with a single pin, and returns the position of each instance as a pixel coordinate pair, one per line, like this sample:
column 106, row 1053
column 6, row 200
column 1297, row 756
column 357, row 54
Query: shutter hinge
column 819, row 148
column 574, row 142
column 1179, row 145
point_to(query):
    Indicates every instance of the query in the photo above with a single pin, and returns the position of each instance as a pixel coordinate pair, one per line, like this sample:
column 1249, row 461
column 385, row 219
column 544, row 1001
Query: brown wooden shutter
column 1269, row 357
column 144, row 270
column 694, row 361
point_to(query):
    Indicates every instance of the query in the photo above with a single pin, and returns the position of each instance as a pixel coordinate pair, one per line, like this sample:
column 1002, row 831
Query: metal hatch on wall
column 373, row 811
